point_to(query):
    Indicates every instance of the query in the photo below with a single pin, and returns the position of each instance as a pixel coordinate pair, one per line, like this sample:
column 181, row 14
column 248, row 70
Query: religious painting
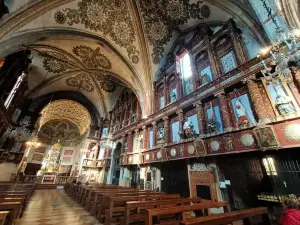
column 37, row 157
column 229, row 145
column 282, row 101
column 67, row 159
column 214, row 120
column 173, row 95
column 266, row 137
column 200, row 147
column 160, row 134
column 205, row 76
column 242, row 110
column 228, row 62
column 40, row 150
column 92, row 154
column 68, row 152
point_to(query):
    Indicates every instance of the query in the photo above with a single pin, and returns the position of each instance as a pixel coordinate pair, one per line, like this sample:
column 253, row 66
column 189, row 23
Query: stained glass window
column 186, row 72
column 228, row 62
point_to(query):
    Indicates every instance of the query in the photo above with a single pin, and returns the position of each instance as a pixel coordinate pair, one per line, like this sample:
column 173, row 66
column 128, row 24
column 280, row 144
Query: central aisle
column 54, row 207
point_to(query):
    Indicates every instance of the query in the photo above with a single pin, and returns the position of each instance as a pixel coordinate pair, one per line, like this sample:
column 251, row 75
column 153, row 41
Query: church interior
column 171, row 112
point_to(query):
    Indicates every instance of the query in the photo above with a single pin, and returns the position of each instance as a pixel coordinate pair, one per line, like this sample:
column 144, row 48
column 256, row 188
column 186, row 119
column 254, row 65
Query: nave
column 54, row 207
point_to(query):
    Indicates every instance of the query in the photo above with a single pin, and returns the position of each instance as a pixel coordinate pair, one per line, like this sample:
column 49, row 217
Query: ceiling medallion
column 80, row 81
column 109, row 17
column 92, row 58
column 162, row 17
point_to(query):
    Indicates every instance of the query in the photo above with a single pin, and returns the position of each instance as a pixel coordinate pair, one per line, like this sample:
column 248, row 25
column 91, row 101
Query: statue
column 173, row 96
column 188, row 130
column 242, row 118
column 204, row 79
column 160, row 134
column 283, row 105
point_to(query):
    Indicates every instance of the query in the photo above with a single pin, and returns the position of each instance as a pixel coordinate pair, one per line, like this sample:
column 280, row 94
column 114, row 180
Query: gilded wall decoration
column 80, row 81
column 67, row 110
column 162, row 17
column 109, row 17
column 291, row 132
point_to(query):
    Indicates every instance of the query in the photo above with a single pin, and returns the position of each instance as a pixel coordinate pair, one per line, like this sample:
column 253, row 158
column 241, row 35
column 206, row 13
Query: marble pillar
column 200, row 117
column 166, row 129
column 224, row 109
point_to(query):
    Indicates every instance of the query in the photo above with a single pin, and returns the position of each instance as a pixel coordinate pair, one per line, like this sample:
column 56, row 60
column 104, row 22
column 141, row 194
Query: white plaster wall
column 6, row 169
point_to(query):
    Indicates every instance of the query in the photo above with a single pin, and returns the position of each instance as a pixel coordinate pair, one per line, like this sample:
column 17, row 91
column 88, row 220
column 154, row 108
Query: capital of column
column 180, row 115
column 153, row 123
column 198, row 105
column 219, row 93
column 144, row 127
column 247, row 79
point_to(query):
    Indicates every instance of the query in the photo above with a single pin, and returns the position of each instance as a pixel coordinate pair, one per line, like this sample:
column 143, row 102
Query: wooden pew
column 135, row 211
column 115, row 210
column 181, row 210
column 13, row 208
column 3, row 215
column 227, row 218
column 92, row 205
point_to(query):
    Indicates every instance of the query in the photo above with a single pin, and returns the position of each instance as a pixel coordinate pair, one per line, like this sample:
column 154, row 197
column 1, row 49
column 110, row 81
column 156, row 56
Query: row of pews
column 112, row 204
column 13, row 201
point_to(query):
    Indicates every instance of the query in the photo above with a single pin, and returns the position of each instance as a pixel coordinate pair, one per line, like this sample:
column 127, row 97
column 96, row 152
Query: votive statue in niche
column 204, row 79
column 241, row 114
column 160, row 135
column 284, row 105
column 188, row 130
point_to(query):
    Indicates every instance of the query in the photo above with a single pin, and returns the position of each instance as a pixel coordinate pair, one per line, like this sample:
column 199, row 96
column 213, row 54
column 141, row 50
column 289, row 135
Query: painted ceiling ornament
column 56, row 62
column 80, row 81
column 109, row 17
column 92, row 58
column 291, row 132
column 162, row 17
column 107, row 82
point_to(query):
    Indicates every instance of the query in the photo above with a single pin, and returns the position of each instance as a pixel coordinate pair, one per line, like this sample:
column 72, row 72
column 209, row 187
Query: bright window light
column 185, row 66
column 270, row 166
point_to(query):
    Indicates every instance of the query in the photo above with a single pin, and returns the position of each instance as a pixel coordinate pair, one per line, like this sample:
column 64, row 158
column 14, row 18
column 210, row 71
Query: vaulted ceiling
column 100, row 47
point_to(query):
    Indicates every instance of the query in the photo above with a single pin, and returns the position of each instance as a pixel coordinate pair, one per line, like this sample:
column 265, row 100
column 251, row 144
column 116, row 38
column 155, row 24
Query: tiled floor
column 54, row 207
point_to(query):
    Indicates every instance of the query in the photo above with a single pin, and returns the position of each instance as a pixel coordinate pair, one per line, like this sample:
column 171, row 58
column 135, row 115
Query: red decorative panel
column 288, row 133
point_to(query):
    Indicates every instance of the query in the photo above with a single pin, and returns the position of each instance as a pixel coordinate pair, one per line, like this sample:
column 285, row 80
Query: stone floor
column 54, row 207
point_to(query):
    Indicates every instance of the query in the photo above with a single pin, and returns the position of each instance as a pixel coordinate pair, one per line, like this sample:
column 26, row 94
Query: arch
column 12, row 44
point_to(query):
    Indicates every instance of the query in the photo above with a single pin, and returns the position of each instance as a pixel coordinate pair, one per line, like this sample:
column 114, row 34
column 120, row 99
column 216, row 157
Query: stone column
column 237, row 44
column 154, row 128
column 212, row 60
column 224, row 109
column 145, row 138
column 129, row 141
column 166, row 129
column 258, row 102
column 200, row 117
column 181, row 120
column 110, row 122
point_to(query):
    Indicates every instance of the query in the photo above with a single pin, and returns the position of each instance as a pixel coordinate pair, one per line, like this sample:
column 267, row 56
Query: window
column 242, row 110
column 175, row 130
column 161, row 102
column 14, row 90
column 228, row 62
column 151, row 139
column 186, row 72
column 270, row 166
column 104, row 131
column 214, row 120
column 282, row 98
column 193, row 120
column 205, row 75
column 173, row 95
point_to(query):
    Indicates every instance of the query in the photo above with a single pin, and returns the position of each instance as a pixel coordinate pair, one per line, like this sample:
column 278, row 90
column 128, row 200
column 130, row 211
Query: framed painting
column 68, row 152
column 40, row 150
column 37, row 157
column 266, row 137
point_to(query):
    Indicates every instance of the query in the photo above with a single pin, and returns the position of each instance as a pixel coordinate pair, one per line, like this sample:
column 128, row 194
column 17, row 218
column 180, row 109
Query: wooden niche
column 202, row 185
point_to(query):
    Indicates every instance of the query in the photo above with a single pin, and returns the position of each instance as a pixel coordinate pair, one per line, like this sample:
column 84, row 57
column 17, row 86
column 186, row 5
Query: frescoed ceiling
column 100, row 47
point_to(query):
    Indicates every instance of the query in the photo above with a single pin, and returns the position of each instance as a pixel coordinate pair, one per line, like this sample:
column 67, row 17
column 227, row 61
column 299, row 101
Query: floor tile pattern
column 55, row 207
